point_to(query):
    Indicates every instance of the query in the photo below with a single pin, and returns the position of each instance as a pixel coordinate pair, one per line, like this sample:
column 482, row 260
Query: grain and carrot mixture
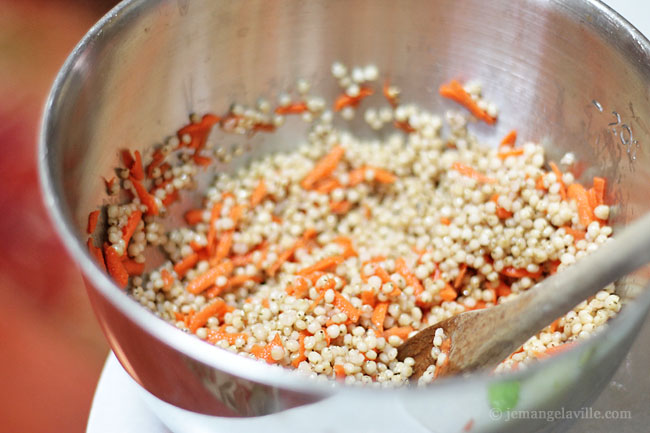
column 327, row 258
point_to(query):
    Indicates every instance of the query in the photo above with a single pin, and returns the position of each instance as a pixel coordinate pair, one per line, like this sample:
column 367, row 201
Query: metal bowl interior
column 571, row 74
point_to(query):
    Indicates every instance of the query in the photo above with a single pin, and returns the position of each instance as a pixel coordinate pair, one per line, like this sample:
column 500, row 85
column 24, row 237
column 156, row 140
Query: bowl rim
column 216, row 357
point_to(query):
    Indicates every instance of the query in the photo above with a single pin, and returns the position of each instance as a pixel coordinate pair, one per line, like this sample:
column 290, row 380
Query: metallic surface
column 571, row 74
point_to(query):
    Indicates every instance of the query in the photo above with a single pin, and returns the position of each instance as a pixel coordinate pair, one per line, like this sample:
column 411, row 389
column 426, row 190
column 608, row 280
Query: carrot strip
column 223, row 247
column 258, row 193
column 93, row 217
column 444, row 220
column 158, row 158
column 301, row 352
column 168, row 279
column 325, row 264
column 381, row 273
column 510, row 152
column 216, row 308
column 298, row 288
column 339, row 371
column 346, row 243
column 345, row 306
column 578, row 193
column 215, row 213
column 127, row 158
column 194, row 216
column 146, row 198
column 356, row 176
column 216, row 335
column 340, row 207
column 324, row 167
column 346, row 100
column 448, row 293
column 512, row 272
column 379, row 315
column 286, row 255
column 264, row 352
column 201, row 160
column 136, row 168
column 461, row 274
column 294, row 108
column 455, row 91
column 556, row 349
column 186, row 264
column 132, row 267
column 509, row 139
column 401, row 332
column 96, row 253
column 115, row 266
column 577, row 234
column 326, row 186
column 600, row 183
column 198, row 132
column 468, row 171
column 368, row 298
column 109, row 183
column 383, row 176
column 559, row 178
column 502, row 289
column 411, row 280
column 392, row 99
column 202, row 282
column 235, row 281
column 539, row 183
column 131, row 226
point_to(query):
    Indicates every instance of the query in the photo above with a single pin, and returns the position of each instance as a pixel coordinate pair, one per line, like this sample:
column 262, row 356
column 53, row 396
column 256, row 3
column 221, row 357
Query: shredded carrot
column 512, row 272
column 553, row 326
column 301, row 352
column 147, row 199
column 502, row 289
column 258, row 193
column 186, row 264
column 109, row 183
column 327, row 263
column 294, row 108
column 346, row 100
column 299, row 288
column 401, row 332
column 468, row 171
column 168, row 279
column 201, row 160
column 327, row 185
column 324, row 167
column 503, row 154
column 392, row 99
column 339, row 371
column 96, row 253
column 455, row 91
column 215, row 308
column 136, row 168
column 378, row 316
column 346, row 243
column 194, row 216
column 559, row 179
column 131, row 225
column 461, row 274
column 404, row 125
column 264, row 352
column 115, row 267
column 578, row 193
column 509, row 139
column 158, row 158
column 202, row 282
column 539, row 183
column 553, row 266
column 368, row 298
column 287, row 254
column 132, row 267
column 577, row 234
column 411, row 279
column 235, row 281
column 93, row 217
column 216, row 335
column 444, row 220
column 556, row 349
column 383, row 176
column 340, row 207
column 198, row 132
column 223, row 247
column 599, row 187
column 127, row 158
column 448, row 293
column 215, row 214
column 345, row 306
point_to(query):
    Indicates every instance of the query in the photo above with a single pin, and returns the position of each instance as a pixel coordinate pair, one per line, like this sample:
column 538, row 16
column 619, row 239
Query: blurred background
column 52, row 350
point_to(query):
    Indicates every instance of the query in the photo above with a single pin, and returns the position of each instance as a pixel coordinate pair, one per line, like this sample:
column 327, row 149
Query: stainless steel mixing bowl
column 571, row 74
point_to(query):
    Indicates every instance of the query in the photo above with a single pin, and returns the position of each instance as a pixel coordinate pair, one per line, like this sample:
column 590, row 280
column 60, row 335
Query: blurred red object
column 52, row 349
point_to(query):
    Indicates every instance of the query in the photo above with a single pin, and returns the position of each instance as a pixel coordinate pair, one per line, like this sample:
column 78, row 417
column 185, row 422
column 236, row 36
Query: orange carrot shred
column 411, row 280
column 345, row 306
column 201, row 160
column 146, row 198
column 326, row 186
column 136, row 168
column 444, row 220
column 539, row 183
column 556, row 349
column 194, row 216
column 468, row 171
column 109, row 183
column 167, row 278
column 115, row 267
column 131, row 226
column 186, row 264
column 378, row 316
column 96, row 253
column 346, row 243
column 258, row 193
column 132, row 267
column 339, row 371
column 510, row 138
column 224, row 245
column 512, row 272
column 93, row 217
column 324, row 167
column 578, row 193
column 404, row 125
column 461, row 274
column 301, row 351
column 205, row 280
column 510, row 152
column 298, row 288
column 215, row 308
column 294, row 108
column 287, row 254
column 401, row 332
column 346, row 100
column 340, row 207
column 599, row 187
column 455, row 91
column 368, row 298
column 577, row 234
column 392, row 99
column 559, row 179
column 215, row 213
column 264, row 352
column 448, row 293
column 127, row 158
column 325, row 264
column 216, row 335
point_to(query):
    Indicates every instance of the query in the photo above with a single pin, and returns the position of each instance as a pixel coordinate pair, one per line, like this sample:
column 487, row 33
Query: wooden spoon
column 484, row 338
